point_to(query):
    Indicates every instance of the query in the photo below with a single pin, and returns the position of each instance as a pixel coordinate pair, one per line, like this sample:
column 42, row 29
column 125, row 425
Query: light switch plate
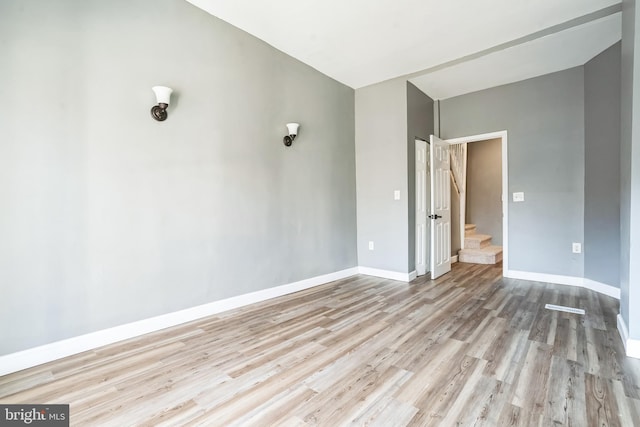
column 396, row 195
column 518, row 197
column 370, row 246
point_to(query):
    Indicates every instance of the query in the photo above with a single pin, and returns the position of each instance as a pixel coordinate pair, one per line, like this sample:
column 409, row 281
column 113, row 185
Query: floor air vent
column 563, row 308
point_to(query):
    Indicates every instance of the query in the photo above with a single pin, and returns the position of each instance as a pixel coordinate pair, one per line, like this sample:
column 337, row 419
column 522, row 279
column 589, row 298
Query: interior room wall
column 389, row 116
column 602, row 157
column 419, row 125
column 109, row 217
column 544, row 118
column 381, row 169
column 630, row 170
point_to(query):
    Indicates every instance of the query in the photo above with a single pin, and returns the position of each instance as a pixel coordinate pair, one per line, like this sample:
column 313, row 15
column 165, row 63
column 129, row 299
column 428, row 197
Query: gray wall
column 419, row 125
column 630, row 171
column 544, row 118
column 389, row 116
column 602, row 161
column 110, row 217
column 484, row 188
column 381, row 168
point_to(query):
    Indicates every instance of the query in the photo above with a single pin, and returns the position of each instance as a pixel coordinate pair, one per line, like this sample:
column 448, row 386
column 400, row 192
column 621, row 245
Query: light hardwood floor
column 468, row 349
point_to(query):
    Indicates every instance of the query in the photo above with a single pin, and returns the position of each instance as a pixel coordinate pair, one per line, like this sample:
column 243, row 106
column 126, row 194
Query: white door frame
column 422, row 224
column 505, row 186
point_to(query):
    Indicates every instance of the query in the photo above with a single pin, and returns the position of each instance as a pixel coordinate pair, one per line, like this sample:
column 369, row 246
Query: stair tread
column 478, row 236
column 476, row 241
column 485, row 255
column 494, row 250
column 469, row 229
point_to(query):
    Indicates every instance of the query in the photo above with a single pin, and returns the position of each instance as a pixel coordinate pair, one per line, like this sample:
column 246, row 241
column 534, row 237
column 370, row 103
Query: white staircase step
column 476, row 241
column 486, row 255
column 469, row 229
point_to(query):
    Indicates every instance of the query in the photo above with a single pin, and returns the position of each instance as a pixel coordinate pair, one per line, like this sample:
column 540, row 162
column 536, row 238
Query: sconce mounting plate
column 288, row 140
column 159, row 112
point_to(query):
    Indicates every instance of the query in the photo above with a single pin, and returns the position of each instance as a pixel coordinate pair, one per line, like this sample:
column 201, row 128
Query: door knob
column 434, row 216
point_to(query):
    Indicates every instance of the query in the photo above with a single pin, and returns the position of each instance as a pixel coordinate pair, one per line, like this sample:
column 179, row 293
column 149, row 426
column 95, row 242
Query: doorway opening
column 424, row 222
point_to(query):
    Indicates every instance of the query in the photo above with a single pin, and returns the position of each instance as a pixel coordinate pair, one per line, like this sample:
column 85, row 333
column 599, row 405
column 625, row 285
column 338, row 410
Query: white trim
column 543, row 277
column 480, row 137
column 422, row 265
column 505, row 203
column 505, row 187
column 631, row 346
column 46, row 353
column 565, row 280
column 602, row 288
column 454, row 259
column 623, row 330
column 388, row 274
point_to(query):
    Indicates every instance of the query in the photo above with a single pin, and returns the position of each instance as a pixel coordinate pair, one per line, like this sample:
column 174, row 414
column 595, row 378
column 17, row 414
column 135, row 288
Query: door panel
column 440, row 208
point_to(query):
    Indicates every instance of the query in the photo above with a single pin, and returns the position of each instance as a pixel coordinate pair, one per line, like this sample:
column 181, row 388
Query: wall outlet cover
column 576, row 248
column 518, row 197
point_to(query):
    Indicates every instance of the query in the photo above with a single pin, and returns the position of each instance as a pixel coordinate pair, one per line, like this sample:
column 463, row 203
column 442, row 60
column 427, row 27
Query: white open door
column 421, row 208
column 440, row 208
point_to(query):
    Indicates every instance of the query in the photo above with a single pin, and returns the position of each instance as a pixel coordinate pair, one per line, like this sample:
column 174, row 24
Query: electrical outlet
column 370, row 246
column 518, row 197
column 576, row 248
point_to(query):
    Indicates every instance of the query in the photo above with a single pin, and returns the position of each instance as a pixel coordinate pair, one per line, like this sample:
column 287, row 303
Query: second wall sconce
column 163, row 95
column 293, row 131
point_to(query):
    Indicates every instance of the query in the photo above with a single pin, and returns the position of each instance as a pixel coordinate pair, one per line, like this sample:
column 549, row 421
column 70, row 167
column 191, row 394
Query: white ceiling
column 361, row 42
column 555, row 52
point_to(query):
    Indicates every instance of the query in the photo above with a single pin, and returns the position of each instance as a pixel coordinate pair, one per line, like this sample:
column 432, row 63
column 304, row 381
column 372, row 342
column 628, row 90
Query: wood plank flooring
column 468, row 349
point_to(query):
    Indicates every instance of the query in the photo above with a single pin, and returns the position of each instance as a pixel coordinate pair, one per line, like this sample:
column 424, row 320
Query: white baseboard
column 631, row 346
column 454, row 259
column 543, row 277
column 46, row 353
column 602, row 288
column 388, row 274
column 565, row 280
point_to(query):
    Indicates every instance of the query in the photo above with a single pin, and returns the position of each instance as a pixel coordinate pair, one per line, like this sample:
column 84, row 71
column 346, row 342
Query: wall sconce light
column 163, row 95
column 293, row 132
